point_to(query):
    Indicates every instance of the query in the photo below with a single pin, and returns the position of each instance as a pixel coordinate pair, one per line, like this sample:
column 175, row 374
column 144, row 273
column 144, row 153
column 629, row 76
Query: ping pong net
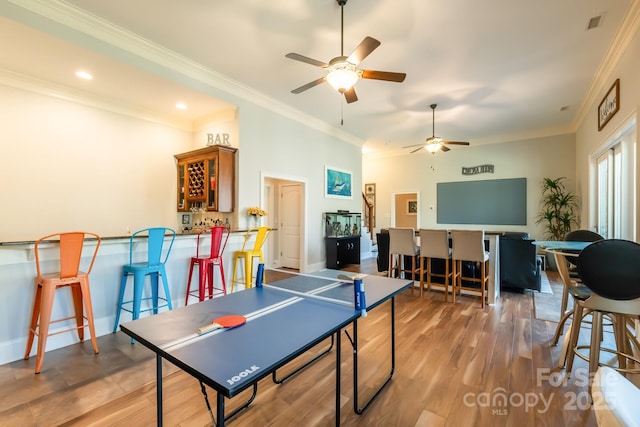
column 330, row 286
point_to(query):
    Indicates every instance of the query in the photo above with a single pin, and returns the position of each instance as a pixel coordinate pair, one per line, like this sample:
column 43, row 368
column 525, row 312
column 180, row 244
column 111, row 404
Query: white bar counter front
column 17, row 284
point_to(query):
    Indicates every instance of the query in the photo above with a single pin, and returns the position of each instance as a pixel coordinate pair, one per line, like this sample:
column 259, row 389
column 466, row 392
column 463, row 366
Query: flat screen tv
column 492, row 202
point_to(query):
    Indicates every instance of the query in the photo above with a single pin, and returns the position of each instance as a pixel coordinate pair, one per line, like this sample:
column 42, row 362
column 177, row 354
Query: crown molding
column 102, row 30
column 602, row 79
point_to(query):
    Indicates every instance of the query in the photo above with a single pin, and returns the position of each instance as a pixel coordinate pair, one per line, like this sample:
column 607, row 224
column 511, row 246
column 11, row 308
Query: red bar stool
column 206, row 264
column 70, row 249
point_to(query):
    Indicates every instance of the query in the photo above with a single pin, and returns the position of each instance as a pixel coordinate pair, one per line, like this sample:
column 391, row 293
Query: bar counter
column 17, row 284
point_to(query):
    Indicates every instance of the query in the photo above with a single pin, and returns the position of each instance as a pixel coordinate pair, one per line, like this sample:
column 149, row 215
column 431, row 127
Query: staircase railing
column 369, row 209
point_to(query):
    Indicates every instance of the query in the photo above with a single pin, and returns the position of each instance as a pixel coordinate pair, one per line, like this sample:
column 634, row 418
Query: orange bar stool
column 153, row 266
column 70, row 250
column 247, row 255
column 206, row 264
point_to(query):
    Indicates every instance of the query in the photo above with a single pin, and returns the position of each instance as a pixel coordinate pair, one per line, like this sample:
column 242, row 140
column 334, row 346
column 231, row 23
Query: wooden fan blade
column 308, row 85
column 445, row 148
column 302, row 58
column 350, row 95
column 383, row 75
column 414, row 145
column 455, row 142
column 418, row 149
column 366, row 46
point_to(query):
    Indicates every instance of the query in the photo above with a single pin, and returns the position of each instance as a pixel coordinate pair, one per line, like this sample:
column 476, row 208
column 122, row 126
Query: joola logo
column 243, row 374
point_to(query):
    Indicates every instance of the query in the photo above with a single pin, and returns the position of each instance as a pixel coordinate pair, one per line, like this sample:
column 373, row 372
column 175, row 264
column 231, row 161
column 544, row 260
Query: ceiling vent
column 595, row 22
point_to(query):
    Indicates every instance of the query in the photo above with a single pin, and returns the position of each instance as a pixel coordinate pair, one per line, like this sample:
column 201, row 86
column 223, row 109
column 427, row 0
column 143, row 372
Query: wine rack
column 196, row 180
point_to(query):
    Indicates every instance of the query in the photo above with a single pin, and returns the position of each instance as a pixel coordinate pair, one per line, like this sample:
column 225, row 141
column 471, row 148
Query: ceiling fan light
column 433, row 147
column 342, row 76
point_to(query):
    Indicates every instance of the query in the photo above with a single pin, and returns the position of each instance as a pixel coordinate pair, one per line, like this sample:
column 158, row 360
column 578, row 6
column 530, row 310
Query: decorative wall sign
column 337, row 183
column 474, row 170
column 609, row 106
column 370, row 196
column 218, row 139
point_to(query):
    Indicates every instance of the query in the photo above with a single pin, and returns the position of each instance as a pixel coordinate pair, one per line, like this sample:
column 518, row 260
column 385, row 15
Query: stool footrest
column 122, row 307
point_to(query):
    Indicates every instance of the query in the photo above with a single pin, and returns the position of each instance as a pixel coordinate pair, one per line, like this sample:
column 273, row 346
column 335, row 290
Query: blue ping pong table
column 285, row 318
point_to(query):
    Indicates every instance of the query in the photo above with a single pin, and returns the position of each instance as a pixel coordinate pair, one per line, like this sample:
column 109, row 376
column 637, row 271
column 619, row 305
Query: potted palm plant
column 559, row 208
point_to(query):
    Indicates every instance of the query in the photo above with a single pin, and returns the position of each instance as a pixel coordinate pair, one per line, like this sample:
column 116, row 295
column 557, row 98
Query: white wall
column 275, row 146
column 67, row 166
column 531, row 159
column 590, row 142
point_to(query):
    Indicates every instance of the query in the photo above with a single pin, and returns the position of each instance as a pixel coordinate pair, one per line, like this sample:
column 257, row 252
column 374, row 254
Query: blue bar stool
column 153, row 267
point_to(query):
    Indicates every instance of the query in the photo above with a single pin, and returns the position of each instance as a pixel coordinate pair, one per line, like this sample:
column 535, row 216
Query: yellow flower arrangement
column 256, row 211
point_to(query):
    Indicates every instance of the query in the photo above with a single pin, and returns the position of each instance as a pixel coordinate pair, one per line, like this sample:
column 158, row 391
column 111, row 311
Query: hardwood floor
column 456, row 365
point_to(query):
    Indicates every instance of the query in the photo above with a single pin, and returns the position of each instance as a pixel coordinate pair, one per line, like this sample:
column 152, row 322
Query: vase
column 254, row 222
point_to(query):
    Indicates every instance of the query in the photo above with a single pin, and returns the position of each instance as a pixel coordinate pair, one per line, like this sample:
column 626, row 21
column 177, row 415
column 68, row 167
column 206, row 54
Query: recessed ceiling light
column 181, row 106
column 84, row 75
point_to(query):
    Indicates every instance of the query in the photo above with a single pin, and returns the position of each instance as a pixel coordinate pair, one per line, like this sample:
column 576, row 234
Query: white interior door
column 290, row 222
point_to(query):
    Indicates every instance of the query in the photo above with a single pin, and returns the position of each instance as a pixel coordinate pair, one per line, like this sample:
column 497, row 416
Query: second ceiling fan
column 435, row 143
column 342, row 70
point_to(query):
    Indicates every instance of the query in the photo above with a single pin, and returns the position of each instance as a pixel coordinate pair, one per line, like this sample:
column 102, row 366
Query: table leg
column 220, row 410
column 159, row 388
column 338, row 351
column 356, row 407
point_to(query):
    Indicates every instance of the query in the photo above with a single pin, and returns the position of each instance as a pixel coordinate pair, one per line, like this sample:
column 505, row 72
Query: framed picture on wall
column 370, row 196
column 338, row 183
column 412, row 207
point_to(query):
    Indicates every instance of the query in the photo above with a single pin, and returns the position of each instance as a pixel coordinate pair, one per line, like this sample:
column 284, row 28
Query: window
column 608, row 192
column 615, row 177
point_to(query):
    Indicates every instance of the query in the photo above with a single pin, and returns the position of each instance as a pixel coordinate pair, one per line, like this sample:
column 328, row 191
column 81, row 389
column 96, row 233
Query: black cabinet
column 342, row 251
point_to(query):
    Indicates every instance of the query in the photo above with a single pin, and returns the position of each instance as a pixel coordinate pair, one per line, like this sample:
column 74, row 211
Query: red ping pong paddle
column 230, row 321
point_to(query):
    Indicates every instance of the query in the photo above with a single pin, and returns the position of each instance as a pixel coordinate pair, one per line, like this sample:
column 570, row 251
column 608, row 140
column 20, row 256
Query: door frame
column 393, row 207
column 275, row 201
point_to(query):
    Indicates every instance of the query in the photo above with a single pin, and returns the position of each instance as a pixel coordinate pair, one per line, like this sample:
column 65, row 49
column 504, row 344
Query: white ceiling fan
column 435, row 143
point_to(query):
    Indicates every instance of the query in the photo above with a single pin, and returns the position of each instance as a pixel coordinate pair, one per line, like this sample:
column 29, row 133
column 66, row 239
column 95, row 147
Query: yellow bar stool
column 260, row 235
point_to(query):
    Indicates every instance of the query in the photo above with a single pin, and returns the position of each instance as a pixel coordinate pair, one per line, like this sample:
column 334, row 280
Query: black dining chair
column 579, row 236
column 609, row 270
